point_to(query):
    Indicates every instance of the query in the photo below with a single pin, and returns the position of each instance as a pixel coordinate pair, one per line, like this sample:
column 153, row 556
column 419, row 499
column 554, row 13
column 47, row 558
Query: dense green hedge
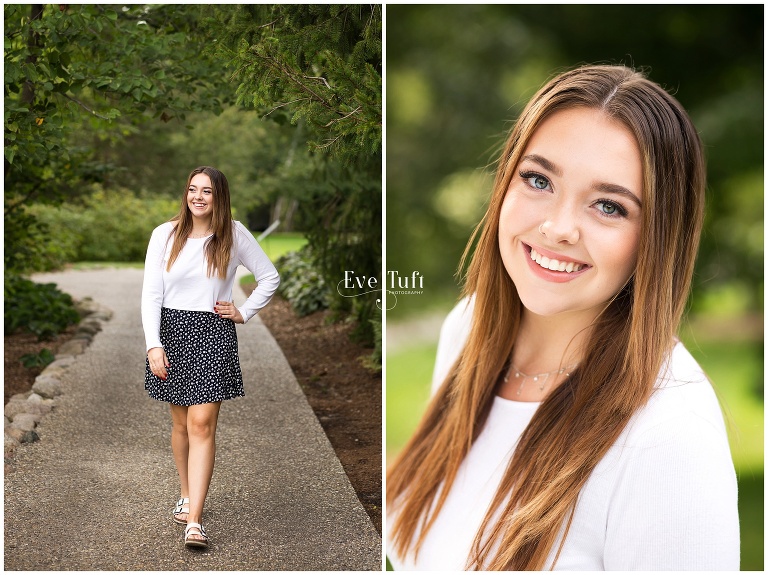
column 304, row 287
column 109, row 226
column 38, row 308
column 301, row 283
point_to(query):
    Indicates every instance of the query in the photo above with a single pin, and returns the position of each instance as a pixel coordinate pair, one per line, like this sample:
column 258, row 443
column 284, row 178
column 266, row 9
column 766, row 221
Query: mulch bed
column 345, row 396
column 19, row 379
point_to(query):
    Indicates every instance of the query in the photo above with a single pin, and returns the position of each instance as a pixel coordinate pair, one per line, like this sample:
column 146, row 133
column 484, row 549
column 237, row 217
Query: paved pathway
column 96, row 492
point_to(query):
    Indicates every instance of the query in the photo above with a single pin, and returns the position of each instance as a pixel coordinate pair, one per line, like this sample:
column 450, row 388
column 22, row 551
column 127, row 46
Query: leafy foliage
column 300, row 282
column 41, row 359
column 250, row 151
column 373, row 361
column 107, row 226
column 319, row 63
column 76, row 65
column 91, row 91
column 319, row 68
column 41, row 309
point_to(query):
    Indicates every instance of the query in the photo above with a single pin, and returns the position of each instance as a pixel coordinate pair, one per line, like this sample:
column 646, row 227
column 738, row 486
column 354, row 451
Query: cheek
column 512, row 216
column 620, row 255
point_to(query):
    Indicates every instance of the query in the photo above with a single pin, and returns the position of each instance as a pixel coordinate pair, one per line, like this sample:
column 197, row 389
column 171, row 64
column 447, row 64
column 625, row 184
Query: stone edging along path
column 25, row 410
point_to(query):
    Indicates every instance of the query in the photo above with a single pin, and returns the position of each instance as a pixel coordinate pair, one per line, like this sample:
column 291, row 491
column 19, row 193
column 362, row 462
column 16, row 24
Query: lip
column 549, row 275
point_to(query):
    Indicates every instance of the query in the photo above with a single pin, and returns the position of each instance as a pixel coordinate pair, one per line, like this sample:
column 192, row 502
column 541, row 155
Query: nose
column 561, row 226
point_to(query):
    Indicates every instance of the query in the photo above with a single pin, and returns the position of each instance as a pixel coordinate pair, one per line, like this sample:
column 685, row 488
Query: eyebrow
column 601, row 186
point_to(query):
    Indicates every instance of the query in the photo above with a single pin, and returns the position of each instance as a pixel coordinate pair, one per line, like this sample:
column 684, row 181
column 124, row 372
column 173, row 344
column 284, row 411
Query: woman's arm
column 153, row 289
column 674, row 507
column 256, row 261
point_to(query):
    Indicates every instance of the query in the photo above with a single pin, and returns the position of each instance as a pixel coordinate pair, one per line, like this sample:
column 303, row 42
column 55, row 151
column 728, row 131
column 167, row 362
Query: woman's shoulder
column 459, row 319
column 683, row 397
column 454, row 334
column 164, row 229
column 241, row 232
column 162, row 232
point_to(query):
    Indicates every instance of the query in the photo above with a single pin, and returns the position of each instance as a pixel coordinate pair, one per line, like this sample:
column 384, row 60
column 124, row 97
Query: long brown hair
column 218, row 247
column 579, row 420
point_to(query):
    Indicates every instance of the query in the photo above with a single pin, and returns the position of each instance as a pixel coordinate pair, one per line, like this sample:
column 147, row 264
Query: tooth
column 544, row 262
column 553, row 265
column 569, row 267
column 577, row 267
column 533, row 254
column 561, row 267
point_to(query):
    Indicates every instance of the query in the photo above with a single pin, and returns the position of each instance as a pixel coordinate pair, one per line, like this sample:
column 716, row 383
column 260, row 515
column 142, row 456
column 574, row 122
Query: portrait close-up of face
column 571, row 218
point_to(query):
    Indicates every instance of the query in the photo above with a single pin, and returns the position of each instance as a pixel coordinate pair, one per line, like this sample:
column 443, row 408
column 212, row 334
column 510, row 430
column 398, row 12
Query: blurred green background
column 458, row 76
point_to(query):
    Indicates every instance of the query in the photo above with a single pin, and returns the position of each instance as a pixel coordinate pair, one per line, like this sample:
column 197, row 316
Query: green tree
column 68, row 66
column 319, row 68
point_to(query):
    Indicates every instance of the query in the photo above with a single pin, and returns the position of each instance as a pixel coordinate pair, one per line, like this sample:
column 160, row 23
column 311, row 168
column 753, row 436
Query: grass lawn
column 735, row 367
column 409, row 374
column 275, row 245
column 101, row 265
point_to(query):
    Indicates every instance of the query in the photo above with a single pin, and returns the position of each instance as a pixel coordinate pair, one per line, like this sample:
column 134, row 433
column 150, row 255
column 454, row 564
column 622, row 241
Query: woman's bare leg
column 201, row 431
column 180, row 446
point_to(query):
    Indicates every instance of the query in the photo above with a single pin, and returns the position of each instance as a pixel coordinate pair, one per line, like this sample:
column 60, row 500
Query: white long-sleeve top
column 662, row 498
column 187, row 286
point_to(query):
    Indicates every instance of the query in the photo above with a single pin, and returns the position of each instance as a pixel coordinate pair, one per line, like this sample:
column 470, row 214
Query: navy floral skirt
column 202, row 350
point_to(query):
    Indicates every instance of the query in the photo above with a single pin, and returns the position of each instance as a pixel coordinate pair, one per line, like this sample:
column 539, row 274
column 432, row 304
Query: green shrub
column 30, row 246
column 41, row 309
column 300, row 282
column 373, row 361
column 41, row 359
column 304, row 287
column 109, row 226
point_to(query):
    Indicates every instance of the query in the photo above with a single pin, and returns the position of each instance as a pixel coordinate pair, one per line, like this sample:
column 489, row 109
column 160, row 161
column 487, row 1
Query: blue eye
column 535, row 180
column 611, row 209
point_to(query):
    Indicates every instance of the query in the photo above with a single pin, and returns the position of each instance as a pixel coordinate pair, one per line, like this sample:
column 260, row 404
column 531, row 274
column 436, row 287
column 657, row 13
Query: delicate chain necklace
column 540, row 378
column 198, row 236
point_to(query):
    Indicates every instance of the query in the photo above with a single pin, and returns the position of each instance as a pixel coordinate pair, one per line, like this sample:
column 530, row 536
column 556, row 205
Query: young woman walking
column 569, row 428
column 189, row 323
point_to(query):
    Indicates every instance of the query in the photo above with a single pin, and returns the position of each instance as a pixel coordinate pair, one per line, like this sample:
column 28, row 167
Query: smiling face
column 570, row 222
column 200, row 197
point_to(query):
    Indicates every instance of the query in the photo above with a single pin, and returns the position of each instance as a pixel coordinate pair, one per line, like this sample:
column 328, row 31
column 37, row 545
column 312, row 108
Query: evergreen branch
column 371, row 17
column 355, row 111
column 284, row 104
column 286, row 70
column 323, row 80
column 330, row 143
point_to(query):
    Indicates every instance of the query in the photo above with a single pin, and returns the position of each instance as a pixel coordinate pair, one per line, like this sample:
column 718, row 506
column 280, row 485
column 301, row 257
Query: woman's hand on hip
column 158, row 362
column 228, row 310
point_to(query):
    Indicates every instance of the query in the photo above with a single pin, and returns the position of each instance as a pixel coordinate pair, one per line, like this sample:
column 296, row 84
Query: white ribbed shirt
column 187, row 286
column 662, row 498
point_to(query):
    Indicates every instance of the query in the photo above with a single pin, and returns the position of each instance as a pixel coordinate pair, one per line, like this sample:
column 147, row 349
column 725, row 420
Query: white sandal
column 182, row 506
column 200, row 533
